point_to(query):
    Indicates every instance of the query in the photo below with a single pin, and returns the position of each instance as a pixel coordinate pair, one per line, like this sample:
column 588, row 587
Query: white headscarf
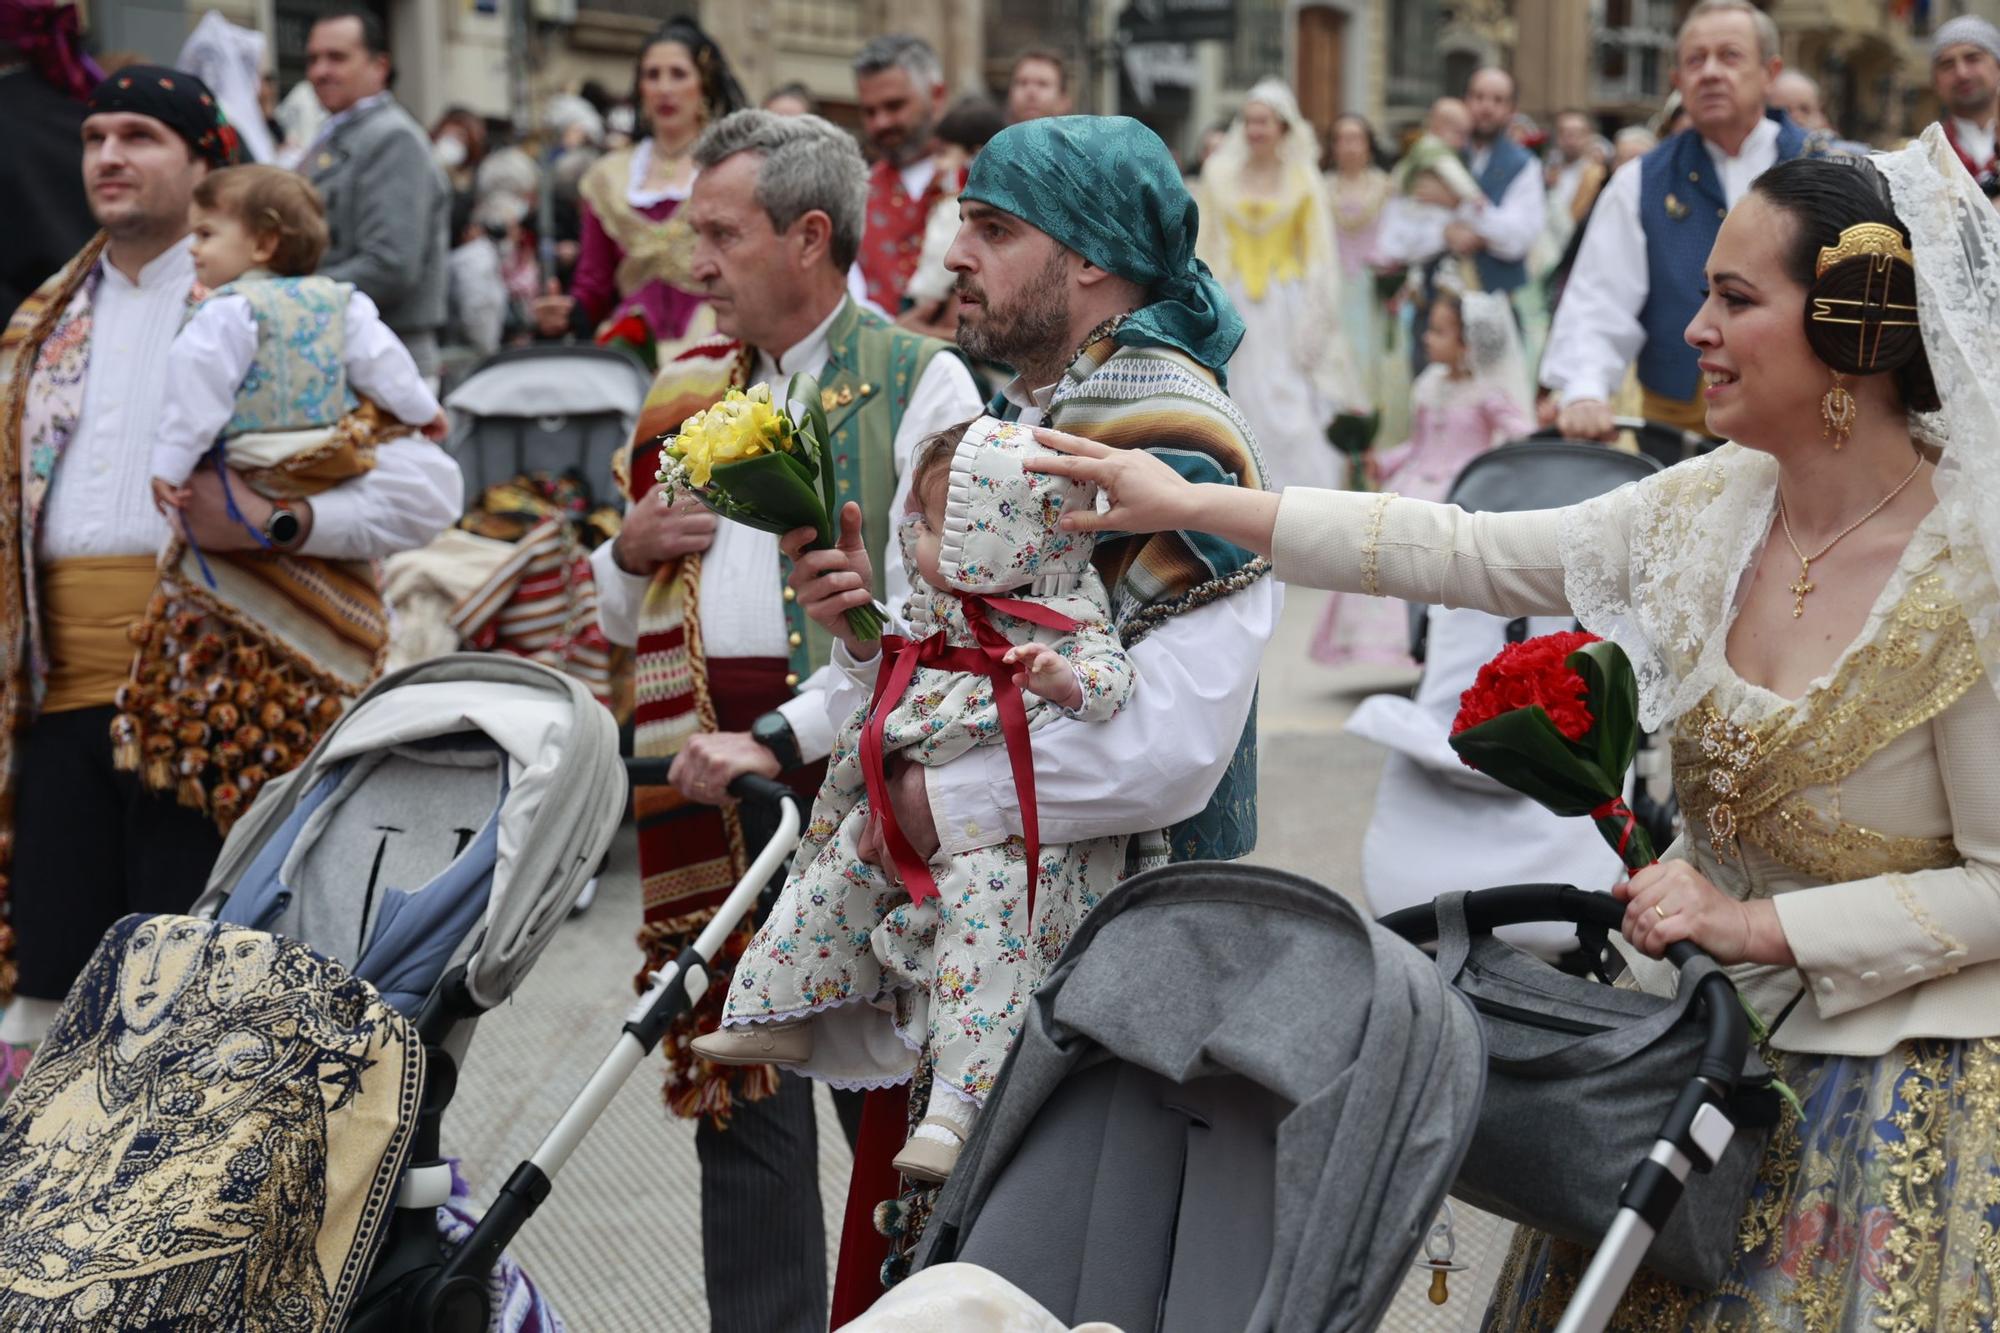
column 1493, row 345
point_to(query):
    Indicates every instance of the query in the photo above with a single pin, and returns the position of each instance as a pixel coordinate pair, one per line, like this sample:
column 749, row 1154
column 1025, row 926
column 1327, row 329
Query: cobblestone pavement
column 617, row 1247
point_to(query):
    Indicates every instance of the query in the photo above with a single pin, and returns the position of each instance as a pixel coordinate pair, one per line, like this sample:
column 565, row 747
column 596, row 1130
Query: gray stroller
column 553, row 408
column 1273, row 1096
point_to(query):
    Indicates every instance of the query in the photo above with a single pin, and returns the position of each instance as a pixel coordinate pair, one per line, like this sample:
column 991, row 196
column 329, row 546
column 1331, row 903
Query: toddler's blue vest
column 298, row 378
column 1681, row 207
column 1507, row 160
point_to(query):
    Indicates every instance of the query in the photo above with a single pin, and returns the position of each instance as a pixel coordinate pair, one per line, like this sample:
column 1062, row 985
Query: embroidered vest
column 872, row 369
column 1507, row 160
column 298, row 378
column 1681, row 207
column 894, row 238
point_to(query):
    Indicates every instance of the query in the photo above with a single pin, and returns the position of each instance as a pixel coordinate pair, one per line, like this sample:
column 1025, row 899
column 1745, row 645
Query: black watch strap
column 774, row 733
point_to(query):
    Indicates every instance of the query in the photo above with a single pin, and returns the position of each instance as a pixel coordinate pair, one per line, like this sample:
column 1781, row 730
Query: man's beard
column 1029, row 330
column 915, row 144
column 1974, row 109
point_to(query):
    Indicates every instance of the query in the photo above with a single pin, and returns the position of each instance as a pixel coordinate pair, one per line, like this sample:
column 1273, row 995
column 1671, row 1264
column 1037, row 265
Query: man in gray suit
column 388, row 205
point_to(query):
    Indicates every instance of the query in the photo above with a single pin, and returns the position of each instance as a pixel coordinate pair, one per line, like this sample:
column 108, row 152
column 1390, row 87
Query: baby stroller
column 496, row 784
column 553, row 408
column 1275, row 1094
column 535, row 430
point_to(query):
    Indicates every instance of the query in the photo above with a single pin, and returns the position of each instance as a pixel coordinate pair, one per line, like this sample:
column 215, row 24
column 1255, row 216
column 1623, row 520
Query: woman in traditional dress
column 1268, row 235
column 1356, row 189
column 635, row 251
column 1814, row 610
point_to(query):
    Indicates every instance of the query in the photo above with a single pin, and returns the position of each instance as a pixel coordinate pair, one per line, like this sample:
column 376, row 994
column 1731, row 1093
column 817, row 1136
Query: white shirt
column 209, row 359
column 917, row 176
column 1597, row 333
column 742, row 607
column 1153, row 765
column 1976, row 140
column 1568, row 181
column 100, row 502
column 1510, row 226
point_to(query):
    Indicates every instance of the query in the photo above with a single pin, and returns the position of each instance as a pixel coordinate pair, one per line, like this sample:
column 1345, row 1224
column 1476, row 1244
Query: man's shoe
column 788, row 1043
column 931, row 1152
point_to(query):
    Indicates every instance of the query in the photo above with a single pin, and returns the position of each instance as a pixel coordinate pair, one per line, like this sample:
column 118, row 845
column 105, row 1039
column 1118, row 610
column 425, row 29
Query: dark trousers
column 90, row 846
column 763, row 1239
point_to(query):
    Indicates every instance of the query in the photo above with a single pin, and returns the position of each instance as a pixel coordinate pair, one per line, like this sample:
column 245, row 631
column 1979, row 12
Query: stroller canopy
column 1235, row 1104
column 518, row 754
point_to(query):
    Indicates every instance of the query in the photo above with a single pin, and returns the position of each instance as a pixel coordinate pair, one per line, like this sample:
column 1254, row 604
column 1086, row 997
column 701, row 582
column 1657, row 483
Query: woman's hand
column 1670, row 901
column 1145, row 495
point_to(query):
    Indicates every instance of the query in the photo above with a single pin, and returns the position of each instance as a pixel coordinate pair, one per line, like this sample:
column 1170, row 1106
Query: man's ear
column 813, row 235
column 1089, row 274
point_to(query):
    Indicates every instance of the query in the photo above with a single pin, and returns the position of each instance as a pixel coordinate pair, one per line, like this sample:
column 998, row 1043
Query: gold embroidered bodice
column 1743, row 781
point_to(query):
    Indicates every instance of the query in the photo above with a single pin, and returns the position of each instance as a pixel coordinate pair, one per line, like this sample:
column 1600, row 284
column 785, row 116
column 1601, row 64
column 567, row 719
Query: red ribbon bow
column 988, row 659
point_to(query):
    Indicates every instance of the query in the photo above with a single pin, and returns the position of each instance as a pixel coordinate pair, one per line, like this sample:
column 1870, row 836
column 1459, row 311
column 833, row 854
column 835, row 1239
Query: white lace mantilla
column 1654, row 566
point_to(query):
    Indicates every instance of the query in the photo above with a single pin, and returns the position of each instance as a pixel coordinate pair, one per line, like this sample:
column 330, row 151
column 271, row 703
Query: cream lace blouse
column 1868, row 809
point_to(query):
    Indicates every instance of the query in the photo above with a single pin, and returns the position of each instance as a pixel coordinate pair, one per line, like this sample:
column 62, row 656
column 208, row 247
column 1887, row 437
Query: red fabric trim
column 857, row 1276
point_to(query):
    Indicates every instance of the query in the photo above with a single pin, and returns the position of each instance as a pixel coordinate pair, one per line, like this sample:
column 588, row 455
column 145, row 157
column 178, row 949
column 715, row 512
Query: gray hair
column 809, row 165
column 912, row 55
column 1767, row 30
column 1637, row 134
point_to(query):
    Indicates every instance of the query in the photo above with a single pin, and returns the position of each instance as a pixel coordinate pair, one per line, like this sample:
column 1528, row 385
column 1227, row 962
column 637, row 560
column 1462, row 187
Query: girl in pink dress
column 1472, row 396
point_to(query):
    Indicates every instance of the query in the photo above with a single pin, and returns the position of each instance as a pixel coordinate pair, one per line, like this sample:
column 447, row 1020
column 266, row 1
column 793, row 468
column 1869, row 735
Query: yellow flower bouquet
column 750, row 460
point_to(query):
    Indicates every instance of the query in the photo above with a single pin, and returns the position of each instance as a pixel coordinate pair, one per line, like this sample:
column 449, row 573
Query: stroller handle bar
column 1728, row 1040
column 672, row 991
column 652, row 772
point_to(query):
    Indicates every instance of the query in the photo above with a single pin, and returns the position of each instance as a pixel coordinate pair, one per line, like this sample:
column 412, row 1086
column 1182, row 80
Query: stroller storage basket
column 1580, row 1075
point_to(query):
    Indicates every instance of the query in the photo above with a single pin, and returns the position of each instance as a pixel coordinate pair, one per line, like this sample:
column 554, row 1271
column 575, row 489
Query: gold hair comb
column 1881, row 246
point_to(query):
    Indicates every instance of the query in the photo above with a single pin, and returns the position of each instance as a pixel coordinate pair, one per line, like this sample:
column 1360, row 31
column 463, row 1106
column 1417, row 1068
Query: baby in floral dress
column 855, row 974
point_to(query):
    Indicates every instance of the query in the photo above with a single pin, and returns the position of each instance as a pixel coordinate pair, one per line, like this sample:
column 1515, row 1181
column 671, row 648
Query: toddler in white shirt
column 270, row 365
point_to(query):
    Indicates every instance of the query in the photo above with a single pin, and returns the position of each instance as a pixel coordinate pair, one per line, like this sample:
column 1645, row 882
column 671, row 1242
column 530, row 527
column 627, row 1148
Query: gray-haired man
column 777, row 212
column 900, row 86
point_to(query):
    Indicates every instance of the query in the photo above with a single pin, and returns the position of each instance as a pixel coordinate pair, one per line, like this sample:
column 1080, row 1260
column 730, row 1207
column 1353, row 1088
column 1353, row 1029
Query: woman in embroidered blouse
column 1268, row 235
column 634, row 256
column 1820, row 625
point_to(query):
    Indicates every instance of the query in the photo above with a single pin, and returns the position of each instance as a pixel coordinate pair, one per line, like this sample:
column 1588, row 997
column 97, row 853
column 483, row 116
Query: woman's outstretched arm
column 1379, row 545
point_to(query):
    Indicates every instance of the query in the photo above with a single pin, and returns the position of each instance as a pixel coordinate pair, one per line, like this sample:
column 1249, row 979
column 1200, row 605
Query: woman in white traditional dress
column 1267, row 233
column 1813, row 609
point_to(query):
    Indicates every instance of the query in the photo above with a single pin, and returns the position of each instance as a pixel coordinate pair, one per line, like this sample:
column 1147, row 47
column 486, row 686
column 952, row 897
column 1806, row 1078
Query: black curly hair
column 720, row 91
column 1826, row 196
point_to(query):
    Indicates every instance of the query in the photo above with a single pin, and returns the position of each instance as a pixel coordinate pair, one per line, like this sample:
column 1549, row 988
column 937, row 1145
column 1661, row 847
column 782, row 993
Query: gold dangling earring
column 1836, row 413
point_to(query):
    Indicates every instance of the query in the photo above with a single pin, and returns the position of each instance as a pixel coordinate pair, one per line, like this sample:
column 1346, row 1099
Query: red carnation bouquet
column 1556, row 718
column 631, row 334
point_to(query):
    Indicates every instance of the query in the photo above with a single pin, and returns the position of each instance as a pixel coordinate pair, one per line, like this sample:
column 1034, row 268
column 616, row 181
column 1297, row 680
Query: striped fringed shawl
column 1166, row 402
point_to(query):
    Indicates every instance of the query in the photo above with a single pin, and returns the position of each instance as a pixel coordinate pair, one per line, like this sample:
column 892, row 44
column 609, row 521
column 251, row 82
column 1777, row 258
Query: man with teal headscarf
column 1075, row 263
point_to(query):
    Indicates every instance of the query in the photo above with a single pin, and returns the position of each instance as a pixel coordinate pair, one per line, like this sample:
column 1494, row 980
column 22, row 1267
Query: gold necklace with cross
column 1805, row 585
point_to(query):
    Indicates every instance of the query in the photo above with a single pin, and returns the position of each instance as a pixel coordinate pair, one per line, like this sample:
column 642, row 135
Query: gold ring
column 1658, row 913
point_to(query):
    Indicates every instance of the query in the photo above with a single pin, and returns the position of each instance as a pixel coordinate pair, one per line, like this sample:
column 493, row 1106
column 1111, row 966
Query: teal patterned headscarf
column 1107, row 188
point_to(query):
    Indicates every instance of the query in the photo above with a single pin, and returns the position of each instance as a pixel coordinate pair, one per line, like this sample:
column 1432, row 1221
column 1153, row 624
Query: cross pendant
column 1800, row 589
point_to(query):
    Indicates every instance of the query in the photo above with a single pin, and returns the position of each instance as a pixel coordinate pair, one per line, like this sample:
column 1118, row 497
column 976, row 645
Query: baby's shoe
column 932, row 1151
column 788, row 1043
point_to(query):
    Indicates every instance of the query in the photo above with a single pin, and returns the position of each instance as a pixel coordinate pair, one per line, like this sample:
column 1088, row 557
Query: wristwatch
column 775, row 734
column 283, row 527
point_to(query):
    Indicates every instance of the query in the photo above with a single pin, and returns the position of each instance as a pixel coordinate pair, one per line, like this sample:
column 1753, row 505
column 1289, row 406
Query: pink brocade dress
column 1452, row 422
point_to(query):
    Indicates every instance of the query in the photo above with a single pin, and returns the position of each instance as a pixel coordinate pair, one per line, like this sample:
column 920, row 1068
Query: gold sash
column 89, row 606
